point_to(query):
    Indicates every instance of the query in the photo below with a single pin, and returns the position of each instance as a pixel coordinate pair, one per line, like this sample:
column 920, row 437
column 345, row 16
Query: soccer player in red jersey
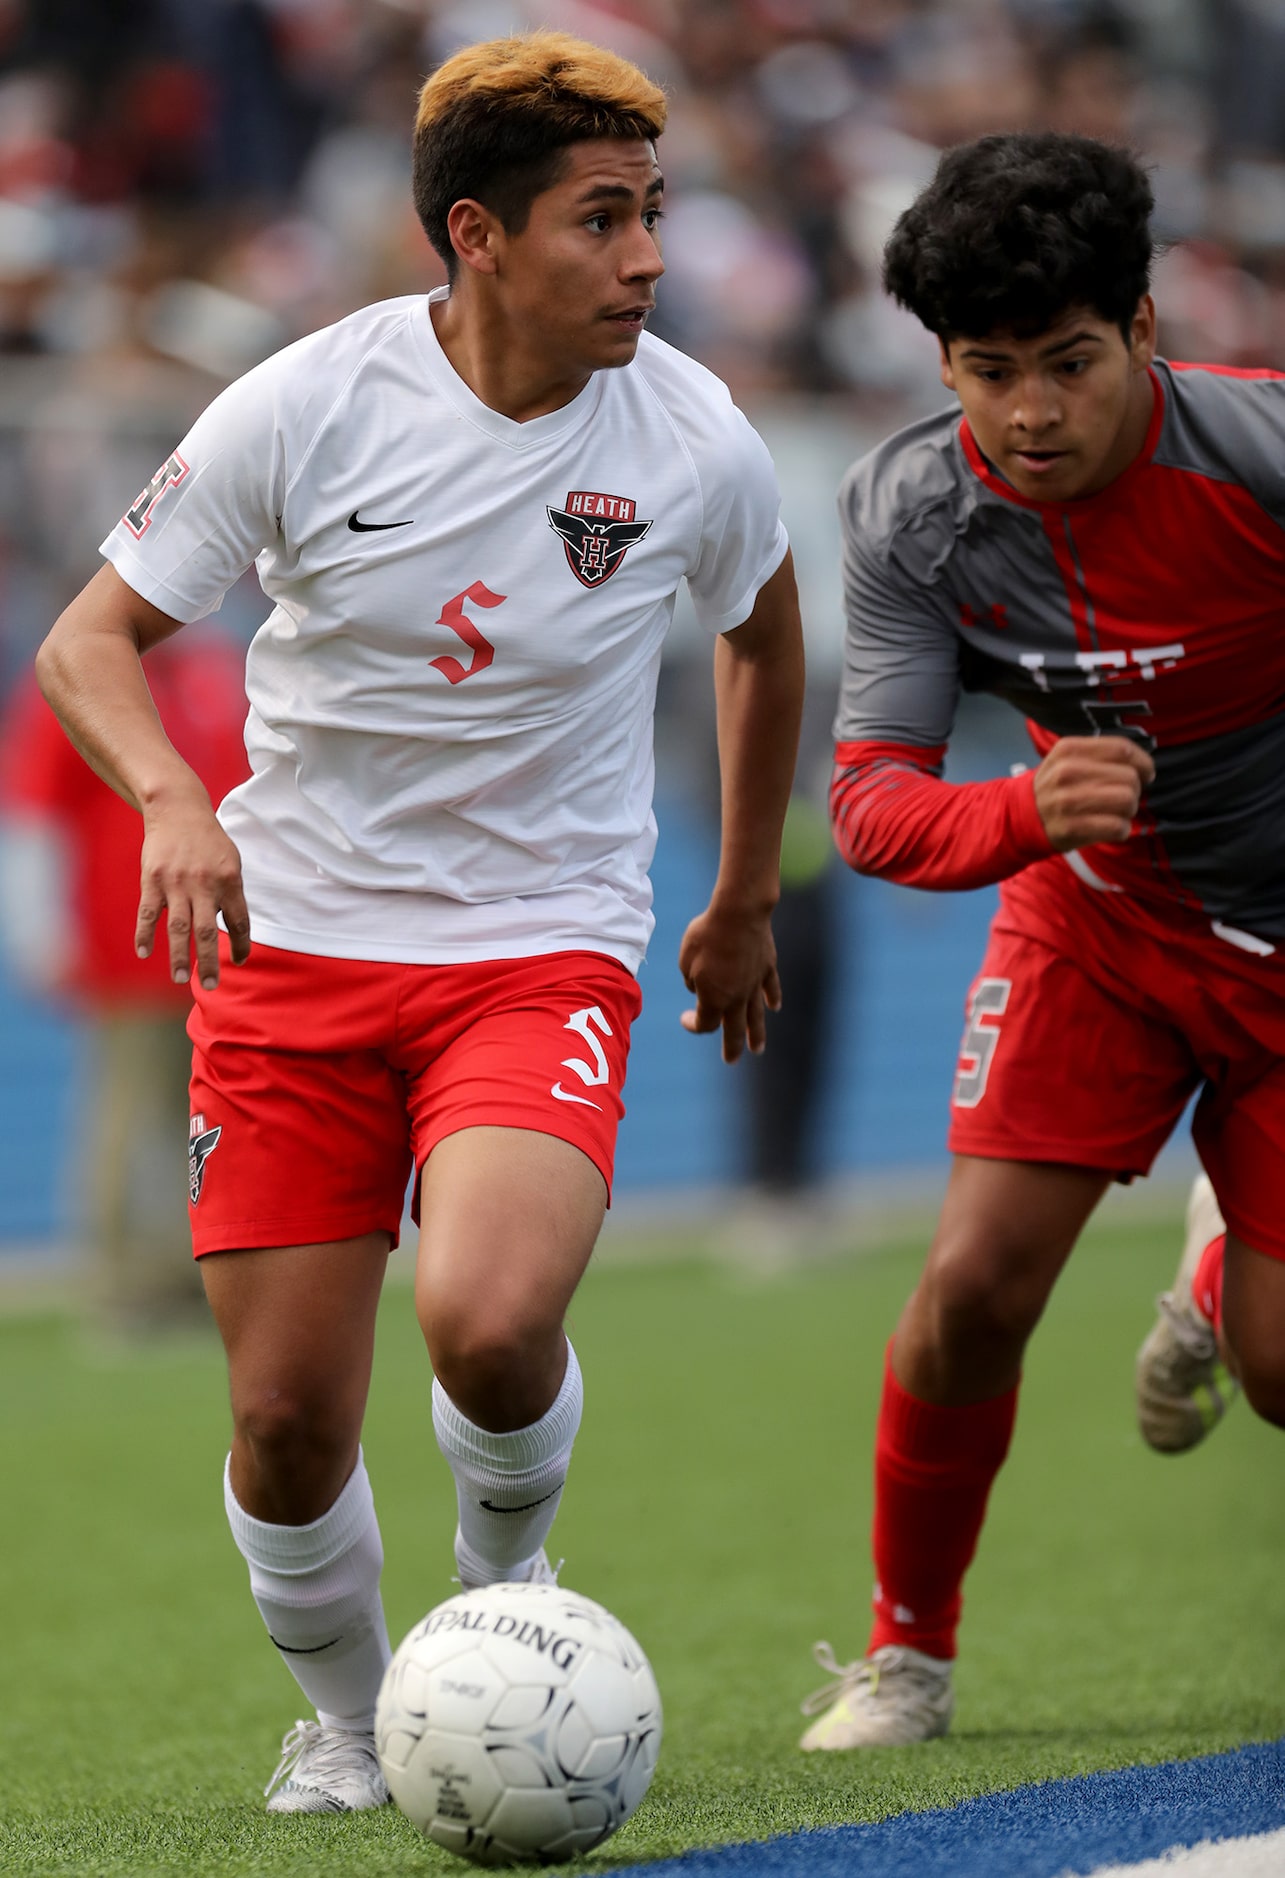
column 1097, row 537
column 471, row 511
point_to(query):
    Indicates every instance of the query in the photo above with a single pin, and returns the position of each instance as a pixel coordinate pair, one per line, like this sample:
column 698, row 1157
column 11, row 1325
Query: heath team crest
column 597, row 532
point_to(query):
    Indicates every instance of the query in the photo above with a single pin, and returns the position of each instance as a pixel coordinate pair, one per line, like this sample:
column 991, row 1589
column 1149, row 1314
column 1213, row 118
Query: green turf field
column 1124, row 1608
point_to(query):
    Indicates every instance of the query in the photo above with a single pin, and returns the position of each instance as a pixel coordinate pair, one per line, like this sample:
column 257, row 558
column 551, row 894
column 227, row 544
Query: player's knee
column 970, row 1299
column 291, row 1434
column 473, row 1357
column 490, row 1362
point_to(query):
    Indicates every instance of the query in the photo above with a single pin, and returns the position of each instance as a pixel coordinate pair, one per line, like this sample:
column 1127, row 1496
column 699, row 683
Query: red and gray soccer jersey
column 1155, row 608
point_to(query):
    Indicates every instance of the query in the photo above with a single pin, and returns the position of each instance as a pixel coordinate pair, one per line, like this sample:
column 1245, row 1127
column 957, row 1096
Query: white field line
column 1261, row 1856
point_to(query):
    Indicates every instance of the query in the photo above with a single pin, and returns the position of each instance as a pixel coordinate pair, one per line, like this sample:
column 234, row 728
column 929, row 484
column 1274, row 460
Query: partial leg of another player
column 509, row 1220
column 945, row 1421
column 1253, row 1326
column 1227, row 1305
column 298, row 1325
column 1182, row 1386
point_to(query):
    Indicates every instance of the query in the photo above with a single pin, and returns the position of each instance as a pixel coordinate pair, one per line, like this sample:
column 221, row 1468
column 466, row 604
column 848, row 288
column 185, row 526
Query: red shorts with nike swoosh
column 318, row 1084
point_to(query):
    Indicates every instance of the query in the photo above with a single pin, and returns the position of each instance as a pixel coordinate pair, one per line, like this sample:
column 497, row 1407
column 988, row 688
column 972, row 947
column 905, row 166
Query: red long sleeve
column 895, row 817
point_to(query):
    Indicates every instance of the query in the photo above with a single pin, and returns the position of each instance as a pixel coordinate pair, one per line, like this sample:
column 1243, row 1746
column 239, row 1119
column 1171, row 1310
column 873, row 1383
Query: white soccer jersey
column 450, row 725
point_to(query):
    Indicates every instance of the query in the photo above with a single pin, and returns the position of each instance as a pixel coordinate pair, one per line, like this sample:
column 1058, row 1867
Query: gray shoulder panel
column 902, row 508
column 1226, row 427
column 907, row 500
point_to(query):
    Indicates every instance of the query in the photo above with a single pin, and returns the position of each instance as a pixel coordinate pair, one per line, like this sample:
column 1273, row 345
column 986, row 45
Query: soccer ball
column 518, row 1722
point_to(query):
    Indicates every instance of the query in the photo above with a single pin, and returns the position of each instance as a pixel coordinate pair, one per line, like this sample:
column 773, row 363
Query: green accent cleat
column 886, row 1700
column 1181, row 1386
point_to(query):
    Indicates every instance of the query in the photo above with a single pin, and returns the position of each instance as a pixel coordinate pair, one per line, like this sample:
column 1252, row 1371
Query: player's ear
column 947, row 370
column 1142, row 334
column 474, row 232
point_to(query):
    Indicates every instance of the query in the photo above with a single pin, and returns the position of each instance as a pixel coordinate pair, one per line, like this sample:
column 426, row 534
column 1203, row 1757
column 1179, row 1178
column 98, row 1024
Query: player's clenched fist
column 1088, row 789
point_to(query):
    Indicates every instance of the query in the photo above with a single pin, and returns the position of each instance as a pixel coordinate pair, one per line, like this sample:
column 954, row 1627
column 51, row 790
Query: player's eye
column 599, row 223
column 652, row 219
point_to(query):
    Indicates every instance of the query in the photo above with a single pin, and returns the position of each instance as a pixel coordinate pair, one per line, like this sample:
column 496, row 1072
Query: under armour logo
column 994, row 616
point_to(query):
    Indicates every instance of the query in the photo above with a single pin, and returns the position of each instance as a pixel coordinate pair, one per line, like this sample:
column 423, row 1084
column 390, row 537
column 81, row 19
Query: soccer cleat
column 538, row 1572
column 885, row 1700
column 1180, row 1384
column 541, row 1572
column 326, row 1770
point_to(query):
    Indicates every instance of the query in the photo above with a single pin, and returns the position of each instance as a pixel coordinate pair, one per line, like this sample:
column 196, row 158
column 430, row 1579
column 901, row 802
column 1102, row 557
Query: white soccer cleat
column 326, row 1770
column 538, row 1572
column 1181, row 1387
column 541, row 1572
column 886, row 1700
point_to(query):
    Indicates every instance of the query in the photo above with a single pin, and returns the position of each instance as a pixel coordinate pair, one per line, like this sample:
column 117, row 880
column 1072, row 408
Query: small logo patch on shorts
column 202, row 1142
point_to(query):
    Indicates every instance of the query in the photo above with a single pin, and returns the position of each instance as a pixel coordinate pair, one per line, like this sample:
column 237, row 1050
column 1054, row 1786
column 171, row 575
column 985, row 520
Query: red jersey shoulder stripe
column 1224, row 371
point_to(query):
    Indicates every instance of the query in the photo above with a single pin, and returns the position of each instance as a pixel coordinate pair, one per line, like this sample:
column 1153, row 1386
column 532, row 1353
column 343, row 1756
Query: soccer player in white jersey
column 471, row 513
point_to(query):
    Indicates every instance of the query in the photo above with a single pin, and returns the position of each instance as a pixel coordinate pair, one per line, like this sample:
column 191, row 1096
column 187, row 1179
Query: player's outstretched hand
column 192, row 870
column 1088, row 789
column 729, row 960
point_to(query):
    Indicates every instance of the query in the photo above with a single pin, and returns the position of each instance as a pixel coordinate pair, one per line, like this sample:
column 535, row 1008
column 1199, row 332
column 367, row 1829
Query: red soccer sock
column 1207, row 1284
column 933, row 1472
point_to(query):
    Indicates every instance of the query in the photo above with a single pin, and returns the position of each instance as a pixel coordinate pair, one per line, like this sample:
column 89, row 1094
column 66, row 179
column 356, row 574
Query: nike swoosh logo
column 565, row 1095
column 288, row 1650
column 531, row 1504
column 370, row 528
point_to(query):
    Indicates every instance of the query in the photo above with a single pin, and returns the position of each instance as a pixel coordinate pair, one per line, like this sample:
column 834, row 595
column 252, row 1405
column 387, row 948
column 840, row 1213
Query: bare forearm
column 760, row 703
column 90, row 671
column 100, row 697
column 727, row 956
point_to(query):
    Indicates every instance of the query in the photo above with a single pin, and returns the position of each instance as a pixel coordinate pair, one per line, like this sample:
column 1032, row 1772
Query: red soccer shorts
column 318, row 1083
column 1094, row 1019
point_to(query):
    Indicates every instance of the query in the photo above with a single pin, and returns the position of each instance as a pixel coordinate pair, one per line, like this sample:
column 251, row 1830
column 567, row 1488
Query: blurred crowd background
column 187, row 185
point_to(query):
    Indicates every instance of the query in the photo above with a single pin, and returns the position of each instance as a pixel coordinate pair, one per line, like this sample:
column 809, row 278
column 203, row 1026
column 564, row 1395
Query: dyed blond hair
column 495, row 120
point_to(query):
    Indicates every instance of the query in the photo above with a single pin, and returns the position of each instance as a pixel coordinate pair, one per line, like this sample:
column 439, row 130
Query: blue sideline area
column 41, row 1054
column 898, row 1003
column 1054, row 1830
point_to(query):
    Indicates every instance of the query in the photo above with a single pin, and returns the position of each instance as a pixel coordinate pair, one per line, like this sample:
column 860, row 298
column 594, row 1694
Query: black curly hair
column 1015, row 229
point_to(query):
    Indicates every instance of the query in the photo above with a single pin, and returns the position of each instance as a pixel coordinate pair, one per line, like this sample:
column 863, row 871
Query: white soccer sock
column 509, row 1486
column 317, row 1589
